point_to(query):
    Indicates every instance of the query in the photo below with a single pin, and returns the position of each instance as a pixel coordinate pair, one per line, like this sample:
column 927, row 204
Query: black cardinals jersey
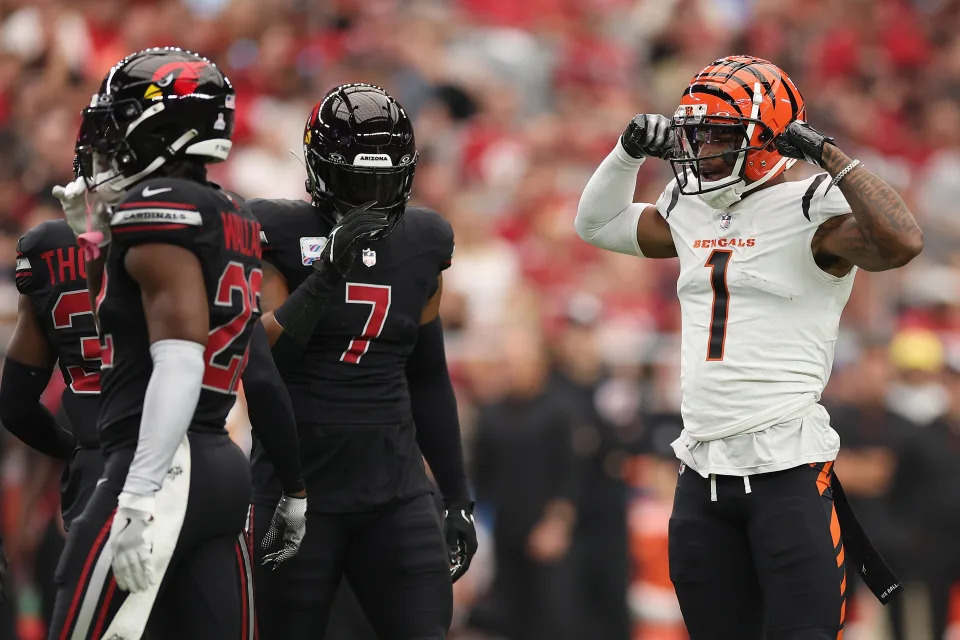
column 225, row 238
column 51, row 272
column 349, row 389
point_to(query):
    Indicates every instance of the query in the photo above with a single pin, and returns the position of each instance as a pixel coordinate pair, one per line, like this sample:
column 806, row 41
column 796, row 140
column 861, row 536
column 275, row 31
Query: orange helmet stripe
column 719, row 93
column 726, row 88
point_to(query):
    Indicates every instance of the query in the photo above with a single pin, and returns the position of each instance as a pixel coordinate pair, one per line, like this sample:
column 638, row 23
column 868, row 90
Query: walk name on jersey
column 241, row 235
column 63, row 265
column 715, row 243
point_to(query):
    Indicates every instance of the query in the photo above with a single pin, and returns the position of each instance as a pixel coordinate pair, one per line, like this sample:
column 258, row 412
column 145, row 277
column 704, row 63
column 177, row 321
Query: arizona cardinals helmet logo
column 177, row 78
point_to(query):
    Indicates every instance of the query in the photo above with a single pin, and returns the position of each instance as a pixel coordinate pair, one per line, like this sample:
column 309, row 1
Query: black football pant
column 78, row 482
column 206, row 591
column 394, row 559
column 763, row 561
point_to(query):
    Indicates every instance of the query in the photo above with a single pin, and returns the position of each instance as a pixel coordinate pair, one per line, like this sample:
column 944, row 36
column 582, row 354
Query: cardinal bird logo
column 175, row 78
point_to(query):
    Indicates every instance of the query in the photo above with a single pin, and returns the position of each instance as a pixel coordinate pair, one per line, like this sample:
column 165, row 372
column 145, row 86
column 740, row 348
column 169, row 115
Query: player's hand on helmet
column 73, row 198
column 340, row 252
column 132, row 536
column 650, row 134
column 289, row 524
column 460, row 534
column 88, row 212
column 801, row 141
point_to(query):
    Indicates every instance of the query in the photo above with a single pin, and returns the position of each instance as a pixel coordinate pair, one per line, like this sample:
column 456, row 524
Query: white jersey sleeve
column 822, row 201
column 668, row 199
column 833, row 203
column 607, row 217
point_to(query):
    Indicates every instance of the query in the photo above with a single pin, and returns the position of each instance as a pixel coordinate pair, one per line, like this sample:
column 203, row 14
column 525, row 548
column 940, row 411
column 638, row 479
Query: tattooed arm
column 880, row 234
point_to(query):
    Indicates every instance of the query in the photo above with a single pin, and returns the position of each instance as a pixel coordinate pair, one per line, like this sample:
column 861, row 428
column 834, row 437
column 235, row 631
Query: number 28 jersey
column 760, row 319
column 225, row 238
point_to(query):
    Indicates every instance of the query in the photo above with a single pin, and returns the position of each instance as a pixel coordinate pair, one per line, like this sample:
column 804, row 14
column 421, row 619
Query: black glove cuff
column 632, row 149
column 455, row 504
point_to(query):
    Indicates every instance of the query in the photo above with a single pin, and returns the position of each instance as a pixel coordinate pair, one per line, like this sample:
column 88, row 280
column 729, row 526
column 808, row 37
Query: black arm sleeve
column 435, row 412
column 24, row 416
column 271, row 412
column 299, row 313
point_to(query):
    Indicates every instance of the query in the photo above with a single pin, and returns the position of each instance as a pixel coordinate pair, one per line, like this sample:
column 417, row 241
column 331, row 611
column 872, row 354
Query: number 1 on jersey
column 378, row 297
column 718, row 262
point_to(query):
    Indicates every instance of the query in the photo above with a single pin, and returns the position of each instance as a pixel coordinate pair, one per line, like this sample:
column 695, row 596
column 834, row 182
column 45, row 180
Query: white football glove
column 133, row 542
column 290, row 520
column 88, row 212
column 108, row 194
column 73, row 198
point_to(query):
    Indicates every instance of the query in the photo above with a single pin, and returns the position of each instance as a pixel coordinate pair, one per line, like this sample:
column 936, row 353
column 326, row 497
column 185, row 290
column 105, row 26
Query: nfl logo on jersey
column 725, row 221
column 369, row 257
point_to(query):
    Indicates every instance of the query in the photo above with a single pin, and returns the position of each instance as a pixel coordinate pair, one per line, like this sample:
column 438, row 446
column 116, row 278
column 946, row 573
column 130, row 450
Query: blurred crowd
column 565, row 358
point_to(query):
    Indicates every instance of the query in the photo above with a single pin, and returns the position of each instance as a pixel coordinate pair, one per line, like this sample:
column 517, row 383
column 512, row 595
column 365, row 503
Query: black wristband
column 299, row 313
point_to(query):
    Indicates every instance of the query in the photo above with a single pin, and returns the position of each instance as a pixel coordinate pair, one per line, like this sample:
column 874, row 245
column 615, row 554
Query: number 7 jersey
column 354, row 367
column 349, row 389
column 225, row 239
column 760, row 319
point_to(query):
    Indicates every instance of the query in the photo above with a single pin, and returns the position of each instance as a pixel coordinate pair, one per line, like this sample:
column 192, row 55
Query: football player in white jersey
column 766, row 267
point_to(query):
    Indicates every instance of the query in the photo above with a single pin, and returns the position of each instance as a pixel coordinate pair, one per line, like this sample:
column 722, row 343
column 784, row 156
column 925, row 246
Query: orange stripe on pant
column 823, row 480
column 823, row 483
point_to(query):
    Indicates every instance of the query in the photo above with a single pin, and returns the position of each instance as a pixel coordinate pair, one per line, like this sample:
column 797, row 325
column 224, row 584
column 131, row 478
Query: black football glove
column 650, row 134
column 299, row 314
column 343, row 242
column 801, row 141
column 461, row 537
column 288, row 525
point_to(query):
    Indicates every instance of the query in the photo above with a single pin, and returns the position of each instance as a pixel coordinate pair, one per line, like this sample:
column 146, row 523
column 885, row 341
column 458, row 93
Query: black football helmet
column 359, row 146
column 152, row 107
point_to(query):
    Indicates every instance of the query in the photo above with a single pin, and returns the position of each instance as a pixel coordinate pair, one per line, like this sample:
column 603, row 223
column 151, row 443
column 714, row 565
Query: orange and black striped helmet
column 755, row 99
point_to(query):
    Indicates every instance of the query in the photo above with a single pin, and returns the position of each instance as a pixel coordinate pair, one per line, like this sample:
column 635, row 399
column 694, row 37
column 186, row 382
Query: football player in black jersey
column 351, row 291
column 157, row 546
column 55, row 324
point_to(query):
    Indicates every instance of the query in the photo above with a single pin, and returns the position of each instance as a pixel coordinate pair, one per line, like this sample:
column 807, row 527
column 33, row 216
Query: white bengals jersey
column 759, row 325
